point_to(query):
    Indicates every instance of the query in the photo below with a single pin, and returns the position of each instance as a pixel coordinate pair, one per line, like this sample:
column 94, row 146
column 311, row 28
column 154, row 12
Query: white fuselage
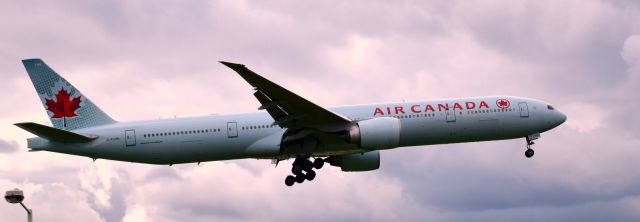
column 252, row 135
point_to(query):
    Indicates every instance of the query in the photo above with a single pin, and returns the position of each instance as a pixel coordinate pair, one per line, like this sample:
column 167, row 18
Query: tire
column 296, row 169
column 318, row 163
column 307, row 165
column 300, row 178
column 310, row 175
column 529, row 153
column 290, row 180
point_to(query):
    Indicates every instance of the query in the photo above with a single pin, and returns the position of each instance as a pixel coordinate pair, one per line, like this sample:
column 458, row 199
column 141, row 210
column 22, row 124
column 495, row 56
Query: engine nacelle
column 376, row 134
column 357, row 162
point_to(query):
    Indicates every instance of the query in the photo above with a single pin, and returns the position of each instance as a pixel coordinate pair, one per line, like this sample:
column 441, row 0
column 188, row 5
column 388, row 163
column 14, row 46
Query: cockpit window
column 550, row 107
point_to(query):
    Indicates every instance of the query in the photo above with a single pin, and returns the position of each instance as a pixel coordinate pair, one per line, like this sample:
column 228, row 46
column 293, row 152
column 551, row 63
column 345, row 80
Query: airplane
column 287, row 126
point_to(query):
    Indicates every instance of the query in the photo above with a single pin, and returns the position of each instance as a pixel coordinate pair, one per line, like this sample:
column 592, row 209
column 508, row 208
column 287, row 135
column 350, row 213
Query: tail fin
column 65, row 105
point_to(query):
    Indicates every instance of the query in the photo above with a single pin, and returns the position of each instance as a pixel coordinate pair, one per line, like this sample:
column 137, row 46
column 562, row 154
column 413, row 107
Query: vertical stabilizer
column 65, row 105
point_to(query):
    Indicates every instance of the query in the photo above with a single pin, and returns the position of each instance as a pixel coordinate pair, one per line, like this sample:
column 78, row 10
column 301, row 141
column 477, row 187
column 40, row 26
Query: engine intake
column 376, row 134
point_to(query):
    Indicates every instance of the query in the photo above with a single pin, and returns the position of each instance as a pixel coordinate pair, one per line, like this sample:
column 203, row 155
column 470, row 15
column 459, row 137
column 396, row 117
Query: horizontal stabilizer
column 55, row 134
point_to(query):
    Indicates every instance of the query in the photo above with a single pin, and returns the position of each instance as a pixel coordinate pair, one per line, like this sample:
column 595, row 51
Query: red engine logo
column 503, row 103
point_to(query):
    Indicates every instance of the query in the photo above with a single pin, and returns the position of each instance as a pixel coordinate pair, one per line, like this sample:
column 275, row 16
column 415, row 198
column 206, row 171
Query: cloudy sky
column 157, row 59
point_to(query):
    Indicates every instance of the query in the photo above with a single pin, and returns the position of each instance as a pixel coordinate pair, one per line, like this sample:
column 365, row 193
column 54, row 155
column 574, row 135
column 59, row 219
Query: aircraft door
column 451, row 115
column 130, row 137
column 232, row 129
column 524, row 109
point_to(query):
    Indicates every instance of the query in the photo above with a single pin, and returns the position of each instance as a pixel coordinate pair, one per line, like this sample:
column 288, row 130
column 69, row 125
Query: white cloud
column 136, row 214
column 96, row 180
column 631, row 55
column 584, row 117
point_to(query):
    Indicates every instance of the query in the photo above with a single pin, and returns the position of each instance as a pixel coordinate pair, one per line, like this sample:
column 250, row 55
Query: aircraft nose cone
column 564, row 118
column 560, row 118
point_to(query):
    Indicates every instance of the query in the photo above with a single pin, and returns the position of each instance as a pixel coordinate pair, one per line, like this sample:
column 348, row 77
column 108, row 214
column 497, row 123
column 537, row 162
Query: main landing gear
column 529, row 152
column 302, row 170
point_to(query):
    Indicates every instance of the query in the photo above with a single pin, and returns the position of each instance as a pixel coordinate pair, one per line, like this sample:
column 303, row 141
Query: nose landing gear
column 302, row 170
column 529, row 152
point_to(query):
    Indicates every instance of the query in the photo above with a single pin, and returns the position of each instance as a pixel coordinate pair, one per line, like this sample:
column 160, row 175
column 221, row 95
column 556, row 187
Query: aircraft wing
column 288, row 109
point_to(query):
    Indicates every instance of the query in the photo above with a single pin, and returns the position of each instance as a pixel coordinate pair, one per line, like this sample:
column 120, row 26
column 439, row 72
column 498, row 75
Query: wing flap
column 271, row 106
column 54, row 134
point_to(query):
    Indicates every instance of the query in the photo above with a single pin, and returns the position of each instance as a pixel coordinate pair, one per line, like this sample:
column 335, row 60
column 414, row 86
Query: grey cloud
column 8, row 146
column 465, row 180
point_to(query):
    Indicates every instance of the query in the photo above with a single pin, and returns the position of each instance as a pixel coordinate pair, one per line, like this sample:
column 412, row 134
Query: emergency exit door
column 232, row 129
column 451, row 115
column 524, row 109
column 130, row 137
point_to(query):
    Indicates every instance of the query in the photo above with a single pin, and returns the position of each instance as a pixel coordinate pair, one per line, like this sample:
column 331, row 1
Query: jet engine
column 375, row 134
column 357, row 162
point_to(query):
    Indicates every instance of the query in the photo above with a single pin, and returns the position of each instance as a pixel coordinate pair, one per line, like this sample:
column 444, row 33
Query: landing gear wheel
column 300, row 178
column 310, row 175
column 296, row 169
column 307, row 165
column 318, row 163
column 290, row 180
column 529, row 153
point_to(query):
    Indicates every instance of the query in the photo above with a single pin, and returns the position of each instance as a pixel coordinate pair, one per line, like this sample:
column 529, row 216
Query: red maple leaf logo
column 63, row 106
column 503, row 103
